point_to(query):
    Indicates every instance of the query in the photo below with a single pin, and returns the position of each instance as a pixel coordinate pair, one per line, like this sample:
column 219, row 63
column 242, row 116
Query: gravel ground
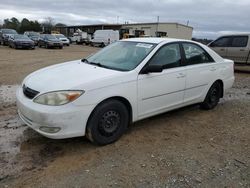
column 188, row 147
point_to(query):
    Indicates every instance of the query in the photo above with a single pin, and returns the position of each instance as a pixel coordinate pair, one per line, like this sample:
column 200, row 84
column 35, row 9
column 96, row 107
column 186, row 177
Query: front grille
column 29, row 93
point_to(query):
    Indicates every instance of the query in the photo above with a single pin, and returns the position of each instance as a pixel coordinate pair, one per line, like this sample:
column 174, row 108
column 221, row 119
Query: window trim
column 211, row 60
column 181, row 54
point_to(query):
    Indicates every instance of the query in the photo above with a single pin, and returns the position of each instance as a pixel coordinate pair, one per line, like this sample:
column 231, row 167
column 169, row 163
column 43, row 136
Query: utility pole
column 157, row 25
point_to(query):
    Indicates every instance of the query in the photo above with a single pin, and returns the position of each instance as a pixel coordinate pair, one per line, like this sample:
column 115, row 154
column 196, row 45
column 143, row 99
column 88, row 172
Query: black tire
column 60, row 47
column 102, row 45
column 213, row 96
column 107, row 122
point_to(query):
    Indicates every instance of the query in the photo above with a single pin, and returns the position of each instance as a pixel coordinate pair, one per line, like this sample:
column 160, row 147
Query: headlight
column 58, row 97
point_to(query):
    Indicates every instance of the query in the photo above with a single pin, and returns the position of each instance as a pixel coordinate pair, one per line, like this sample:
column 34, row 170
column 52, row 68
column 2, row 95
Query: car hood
column 63, row 38
column 70, row 75
column 23, row 40
column 34, row 38
column 54, row 40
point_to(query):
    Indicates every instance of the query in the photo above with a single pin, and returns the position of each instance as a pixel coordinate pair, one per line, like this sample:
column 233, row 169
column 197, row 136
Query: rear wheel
column 108, row 122
column 213, row 96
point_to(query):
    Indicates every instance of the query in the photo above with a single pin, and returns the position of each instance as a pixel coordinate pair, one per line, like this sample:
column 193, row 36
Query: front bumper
column 65, row 42
column 20, row 45
column 69, row 118
column 55, row 44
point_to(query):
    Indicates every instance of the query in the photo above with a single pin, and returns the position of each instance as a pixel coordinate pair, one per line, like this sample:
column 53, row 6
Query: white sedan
column 125, row 82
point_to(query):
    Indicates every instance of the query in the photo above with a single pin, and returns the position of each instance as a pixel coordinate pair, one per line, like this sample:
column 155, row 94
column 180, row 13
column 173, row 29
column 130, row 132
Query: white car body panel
column 147, row 94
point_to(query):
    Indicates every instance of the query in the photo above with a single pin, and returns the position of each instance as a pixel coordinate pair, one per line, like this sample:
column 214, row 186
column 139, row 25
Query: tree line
column 29, row 25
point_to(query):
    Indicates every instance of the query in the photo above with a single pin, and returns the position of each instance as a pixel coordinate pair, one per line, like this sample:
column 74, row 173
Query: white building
column 172, row 30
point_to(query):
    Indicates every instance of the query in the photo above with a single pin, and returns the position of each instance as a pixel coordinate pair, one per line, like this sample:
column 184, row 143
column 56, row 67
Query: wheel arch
column 222, row 86
column 118, row 98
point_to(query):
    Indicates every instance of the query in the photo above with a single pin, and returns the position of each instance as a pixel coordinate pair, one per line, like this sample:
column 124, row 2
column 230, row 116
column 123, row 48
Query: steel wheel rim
column 214, row 95
column 109, row 123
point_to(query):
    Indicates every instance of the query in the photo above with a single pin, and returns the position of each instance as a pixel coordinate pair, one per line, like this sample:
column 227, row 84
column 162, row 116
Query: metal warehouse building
column 172, row 30
column 161, row 29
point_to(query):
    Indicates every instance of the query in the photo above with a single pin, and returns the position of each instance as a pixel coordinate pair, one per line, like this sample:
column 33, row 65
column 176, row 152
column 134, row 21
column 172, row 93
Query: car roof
column 155, row 40
column 235, row 34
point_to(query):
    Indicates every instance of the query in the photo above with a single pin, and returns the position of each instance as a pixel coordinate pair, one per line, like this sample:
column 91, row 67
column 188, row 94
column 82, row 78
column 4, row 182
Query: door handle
column 242, row 50
column 222, row 49
column 212, row 69
column 181, row 75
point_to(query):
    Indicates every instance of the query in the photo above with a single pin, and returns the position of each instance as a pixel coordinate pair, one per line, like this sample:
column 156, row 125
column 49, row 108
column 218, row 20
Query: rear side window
column 194, row 54
column 221, row 42
column 239, row 41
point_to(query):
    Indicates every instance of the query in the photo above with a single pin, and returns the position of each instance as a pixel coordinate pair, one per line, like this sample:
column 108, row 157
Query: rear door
column 238, row 51
column 221, row 45
column 200, row 69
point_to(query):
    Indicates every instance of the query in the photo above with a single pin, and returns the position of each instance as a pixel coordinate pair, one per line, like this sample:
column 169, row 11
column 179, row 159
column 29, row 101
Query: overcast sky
column 210, row 18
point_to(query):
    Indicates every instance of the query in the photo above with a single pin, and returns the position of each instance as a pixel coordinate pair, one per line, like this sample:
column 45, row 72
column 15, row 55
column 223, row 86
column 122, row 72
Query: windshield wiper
column 94, row 63
column 100, row 65
column 84, row 60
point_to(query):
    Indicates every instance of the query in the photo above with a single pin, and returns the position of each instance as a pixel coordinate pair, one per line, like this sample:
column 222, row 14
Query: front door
column 221, row 45
column 158, row 92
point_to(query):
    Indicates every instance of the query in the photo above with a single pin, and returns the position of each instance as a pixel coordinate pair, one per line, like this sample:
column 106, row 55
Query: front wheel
column 107, row 123
column 213, row 96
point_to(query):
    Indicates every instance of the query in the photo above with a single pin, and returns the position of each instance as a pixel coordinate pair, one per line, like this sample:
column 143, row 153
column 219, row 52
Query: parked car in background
column 127, row 81
column 63, row 39
column 104, row 37
column 4, row 35
column 235, row 47
column 80, row 37
column 49, row 41
column 33, row 36
column 21, row 41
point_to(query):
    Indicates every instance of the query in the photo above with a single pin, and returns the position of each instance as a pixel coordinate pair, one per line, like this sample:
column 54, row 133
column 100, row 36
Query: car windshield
column 60, row 36
column 21, row 37
column 9, row 31
column 50, row 37
column 121, row 55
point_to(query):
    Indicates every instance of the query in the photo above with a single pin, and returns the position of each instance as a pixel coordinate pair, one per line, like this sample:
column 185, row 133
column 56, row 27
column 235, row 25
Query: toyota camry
column 129, row 80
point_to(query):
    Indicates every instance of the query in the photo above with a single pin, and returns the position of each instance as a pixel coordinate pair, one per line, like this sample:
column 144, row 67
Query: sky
column 209, row 18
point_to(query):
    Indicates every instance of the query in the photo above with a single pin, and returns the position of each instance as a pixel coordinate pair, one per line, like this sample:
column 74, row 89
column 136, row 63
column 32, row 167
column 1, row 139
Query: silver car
column 235, row 47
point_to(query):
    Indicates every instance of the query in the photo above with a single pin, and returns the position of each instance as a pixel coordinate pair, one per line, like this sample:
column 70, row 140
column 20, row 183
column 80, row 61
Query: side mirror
column 151, row 69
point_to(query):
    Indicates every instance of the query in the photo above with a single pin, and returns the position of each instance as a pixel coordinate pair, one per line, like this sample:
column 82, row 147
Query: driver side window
column 168, row 56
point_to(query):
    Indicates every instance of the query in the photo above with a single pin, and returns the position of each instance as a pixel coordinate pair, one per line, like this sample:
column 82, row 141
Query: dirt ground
column 188, row 147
